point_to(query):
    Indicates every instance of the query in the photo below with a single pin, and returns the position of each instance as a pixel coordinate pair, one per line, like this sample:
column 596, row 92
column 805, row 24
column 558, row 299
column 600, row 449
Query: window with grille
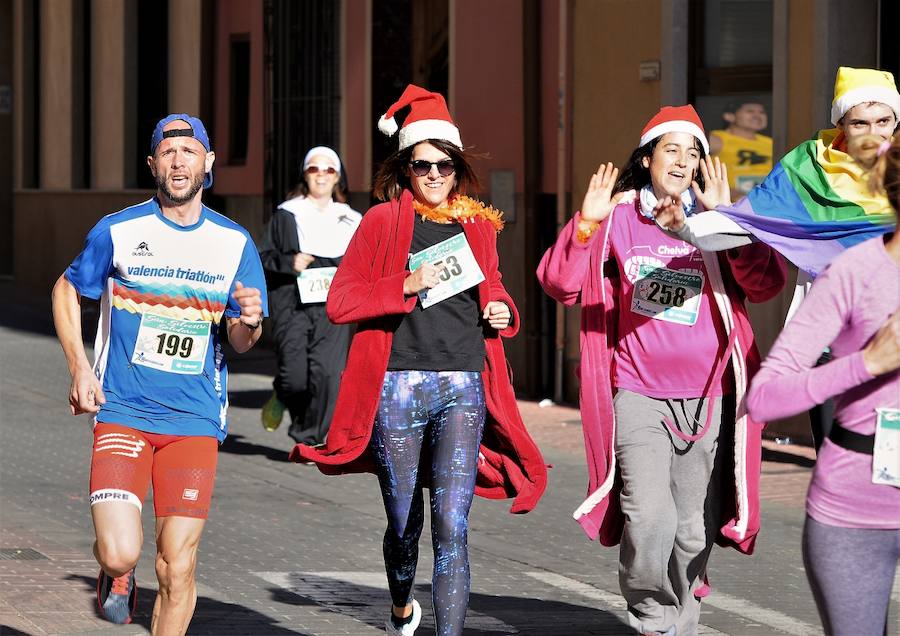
column 303, row 86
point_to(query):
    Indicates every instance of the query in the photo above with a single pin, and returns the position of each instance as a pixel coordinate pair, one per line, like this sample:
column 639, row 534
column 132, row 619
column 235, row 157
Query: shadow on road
column 235, row 445
column 488, row 615
column 30, row 311
column 210, row 616
column 787, row 458
column 248, row 399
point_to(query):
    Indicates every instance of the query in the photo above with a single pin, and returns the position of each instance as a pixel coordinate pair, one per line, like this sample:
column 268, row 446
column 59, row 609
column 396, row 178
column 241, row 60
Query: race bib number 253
column 458, row 269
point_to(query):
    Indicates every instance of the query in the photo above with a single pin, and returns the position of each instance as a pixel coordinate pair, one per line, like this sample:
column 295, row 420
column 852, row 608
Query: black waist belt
column 851, row 441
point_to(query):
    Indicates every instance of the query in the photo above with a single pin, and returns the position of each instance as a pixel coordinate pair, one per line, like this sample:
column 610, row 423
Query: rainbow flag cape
column 813, row 205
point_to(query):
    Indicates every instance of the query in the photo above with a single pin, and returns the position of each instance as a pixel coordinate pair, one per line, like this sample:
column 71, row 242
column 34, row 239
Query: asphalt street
column 290, row 551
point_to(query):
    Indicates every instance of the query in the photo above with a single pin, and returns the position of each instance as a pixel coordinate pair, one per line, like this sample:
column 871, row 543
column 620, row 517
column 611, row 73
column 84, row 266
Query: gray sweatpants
column 671, row 500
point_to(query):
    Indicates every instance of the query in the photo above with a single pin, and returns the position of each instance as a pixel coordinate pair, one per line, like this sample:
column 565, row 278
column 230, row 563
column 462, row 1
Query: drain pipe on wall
column 562, row 186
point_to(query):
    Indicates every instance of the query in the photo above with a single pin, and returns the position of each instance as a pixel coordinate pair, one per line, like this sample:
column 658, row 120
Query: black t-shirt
column 447, row 336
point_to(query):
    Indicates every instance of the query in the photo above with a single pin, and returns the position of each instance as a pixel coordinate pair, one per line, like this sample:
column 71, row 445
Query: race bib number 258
column 666, row 294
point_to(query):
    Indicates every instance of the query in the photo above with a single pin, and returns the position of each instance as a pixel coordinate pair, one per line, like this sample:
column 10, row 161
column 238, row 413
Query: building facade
column 545, row 89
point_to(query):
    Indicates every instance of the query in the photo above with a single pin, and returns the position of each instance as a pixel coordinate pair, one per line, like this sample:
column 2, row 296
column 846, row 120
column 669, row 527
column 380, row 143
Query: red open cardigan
column 368, row 289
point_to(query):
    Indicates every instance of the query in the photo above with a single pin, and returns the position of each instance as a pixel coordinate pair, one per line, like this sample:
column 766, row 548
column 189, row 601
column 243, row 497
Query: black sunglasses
column 420, row 167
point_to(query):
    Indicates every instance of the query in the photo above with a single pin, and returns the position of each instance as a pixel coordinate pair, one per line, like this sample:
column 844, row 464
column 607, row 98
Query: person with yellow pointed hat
column 866, row 102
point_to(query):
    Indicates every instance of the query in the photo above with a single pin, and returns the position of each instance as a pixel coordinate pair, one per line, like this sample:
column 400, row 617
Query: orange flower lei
column 461, row 209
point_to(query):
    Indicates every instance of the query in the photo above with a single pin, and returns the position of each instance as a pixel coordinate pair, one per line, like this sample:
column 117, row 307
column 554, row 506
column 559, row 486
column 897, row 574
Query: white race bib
column 458, row 269
column 314, row 283
column 886, row 458
column 667, row 294
column 171, row 344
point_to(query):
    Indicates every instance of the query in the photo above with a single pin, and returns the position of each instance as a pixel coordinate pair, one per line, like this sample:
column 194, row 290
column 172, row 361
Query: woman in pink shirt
column 851, row 539
column 673, row 463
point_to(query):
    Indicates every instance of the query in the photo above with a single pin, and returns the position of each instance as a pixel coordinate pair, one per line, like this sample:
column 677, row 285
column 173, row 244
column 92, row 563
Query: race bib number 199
column 171, row 344
column 667, row 294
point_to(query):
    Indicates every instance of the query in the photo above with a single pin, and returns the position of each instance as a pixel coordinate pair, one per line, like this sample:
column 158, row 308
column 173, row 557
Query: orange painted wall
column 549, row 92
column 802, row 121
column 486, row 89
column 611, row 106
column 354, row 134
column 234, row 17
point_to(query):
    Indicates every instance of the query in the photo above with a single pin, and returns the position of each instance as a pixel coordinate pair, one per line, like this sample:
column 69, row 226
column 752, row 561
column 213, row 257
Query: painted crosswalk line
column 741, row 607
column 363, row 596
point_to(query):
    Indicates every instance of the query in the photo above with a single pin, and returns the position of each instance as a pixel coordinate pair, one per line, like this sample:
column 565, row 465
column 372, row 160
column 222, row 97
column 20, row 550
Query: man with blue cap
column 174, row 279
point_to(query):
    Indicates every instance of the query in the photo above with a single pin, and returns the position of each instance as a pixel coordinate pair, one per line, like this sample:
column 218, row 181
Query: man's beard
column 196, row 184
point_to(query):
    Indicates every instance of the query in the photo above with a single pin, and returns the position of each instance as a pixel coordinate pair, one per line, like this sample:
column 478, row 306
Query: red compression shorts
column 183, row 470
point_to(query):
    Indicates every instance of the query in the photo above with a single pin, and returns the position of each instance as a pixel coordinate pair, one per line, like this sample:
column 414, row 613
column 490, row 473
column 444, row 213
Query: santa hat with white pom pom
column 428, row 118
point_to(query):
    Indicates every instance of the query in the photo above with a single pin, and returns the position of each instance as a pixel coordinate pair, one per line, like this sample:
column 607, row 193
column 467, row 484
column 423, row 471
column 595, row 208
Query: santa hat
column 855, row 86
column 428, row 118
column 675, row 119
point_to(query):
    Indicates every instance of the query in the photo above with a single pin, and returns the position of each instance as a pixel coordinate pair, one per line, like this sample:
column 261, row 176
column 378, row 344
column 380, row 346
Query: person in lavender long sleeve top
column 851, row 541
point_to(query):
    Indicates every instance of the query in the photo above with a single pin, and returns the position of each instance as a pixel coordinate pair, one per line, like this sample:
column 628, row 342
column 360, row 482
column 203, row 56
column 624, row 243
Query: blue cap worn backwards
column 197, row 131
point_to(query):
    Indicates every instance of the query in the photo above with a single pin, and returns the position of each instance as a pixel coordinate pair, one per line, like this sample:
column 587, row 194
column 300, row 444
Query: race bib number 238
column 314, row 284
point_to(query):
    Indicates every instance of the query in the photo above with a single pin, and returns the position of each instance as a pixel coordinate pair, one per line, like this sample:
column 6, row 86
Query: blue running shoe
column 117, row 597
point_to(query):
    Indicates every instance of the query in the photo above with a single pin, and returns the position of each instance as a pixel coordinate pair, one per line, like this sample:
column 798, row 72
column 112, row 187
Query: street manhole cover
column 20, row 554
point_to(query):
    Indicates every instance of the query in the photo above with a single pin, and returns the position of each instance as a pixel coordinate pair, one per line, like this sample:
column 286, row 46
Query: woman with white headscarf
column 306, row 239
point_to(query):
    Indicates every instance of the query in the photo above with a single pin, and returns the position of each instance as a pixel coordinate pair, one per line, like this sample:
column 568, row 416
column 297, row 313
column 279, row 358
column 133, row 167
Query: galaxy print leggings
column 433, row 421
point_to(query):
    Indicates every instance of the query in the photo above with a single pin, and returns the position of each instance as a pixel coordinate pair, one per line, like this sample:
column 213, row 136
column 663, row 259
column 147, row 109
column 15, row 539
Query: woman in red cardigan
column 426, row 399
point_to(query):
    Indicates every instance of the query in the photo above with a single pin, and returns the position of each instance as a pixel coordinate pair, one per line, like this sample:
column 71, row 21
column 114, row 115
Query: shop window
column 730, row 56
column 888, row 42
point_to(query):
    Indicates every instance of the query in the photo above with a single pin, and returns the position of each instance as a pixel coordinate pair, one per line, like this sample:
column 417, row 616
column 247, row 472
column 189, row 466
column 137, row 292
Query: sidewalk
column 290, row 551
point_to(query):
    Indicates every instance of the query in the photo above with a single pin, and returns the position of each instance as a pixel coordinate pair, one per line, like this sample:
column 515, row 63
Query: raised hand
column 669, row 214
column 882, row 354
column 599, row 200
column 250, row 301
column 426, row 277
column 715, row 181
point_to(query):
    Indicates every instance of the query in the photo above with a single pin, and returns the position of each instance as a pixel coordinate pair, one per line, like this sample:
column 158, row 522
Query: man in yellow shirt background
column 741, row 147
